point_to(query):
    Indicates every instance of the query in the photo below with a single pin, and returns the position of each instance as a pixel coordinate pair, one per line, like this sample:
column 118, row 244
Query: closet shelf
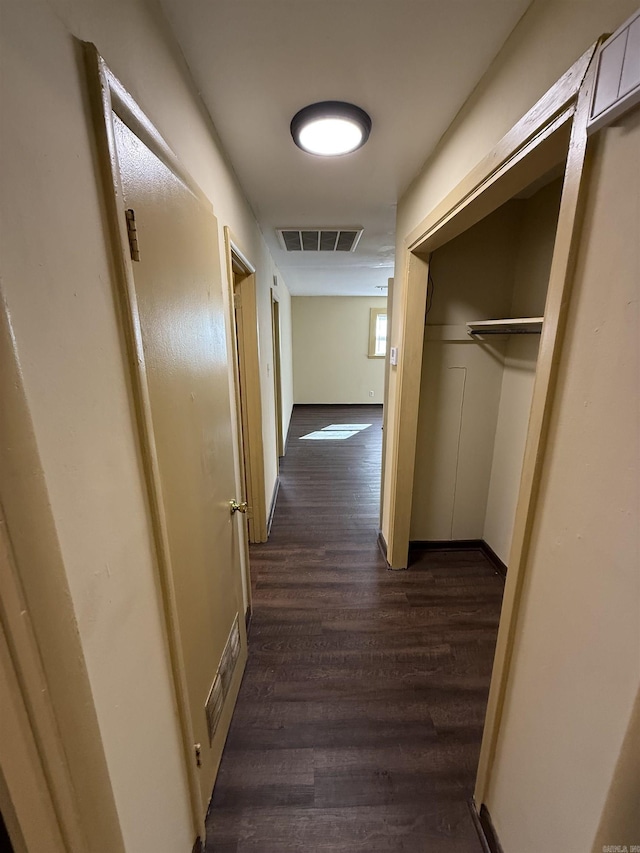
column 510, row 326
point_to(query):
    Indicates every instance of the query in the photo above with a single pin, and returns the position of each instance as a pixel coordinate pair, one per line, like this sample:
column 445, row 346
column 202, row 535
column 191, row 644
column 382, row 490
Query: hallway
column 359, row 719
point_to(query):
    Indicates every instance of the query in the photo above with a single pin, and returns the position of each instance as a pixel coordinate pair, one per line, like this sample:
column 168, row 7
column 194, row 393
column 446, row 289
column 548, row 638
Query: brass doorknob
column 236, row 507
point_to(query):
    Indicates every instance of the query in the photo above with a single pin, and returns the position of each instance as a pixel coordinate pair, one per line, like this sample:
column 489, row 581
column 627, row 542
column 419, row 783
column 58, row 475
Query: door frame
column 248, row 392
column 385, row 396
column 277, row 372
column 26, row 798
column 109, row 96
column 58, row 750
column 36, row 793
column 554, row 130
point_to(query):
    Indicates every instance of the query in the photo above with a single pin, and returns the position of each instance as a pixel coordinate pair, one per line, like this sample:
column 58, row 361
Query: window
column 378, row 333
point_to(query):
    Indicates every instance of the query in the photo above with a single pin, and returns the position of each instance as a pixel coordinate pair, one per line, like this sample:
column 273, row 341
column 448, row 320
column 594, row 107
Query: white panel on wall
column 617, row 88
column 459, row 397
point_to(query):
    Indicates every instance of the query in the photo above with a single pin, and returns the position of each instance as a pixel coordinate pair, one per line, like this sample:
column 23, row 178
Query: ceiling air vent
column 319, row 239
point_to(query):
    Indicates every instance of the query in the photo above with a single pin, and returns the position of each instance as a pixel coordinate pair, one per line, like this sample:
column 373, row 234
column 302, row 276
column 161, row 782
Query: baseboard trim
column 490, row 554
column 446, row 545
column 475, row 817
column 286, row 438
column 336, row 405
column 272, row 508
column 460, row 545
column 382, row 544
column 485, row 828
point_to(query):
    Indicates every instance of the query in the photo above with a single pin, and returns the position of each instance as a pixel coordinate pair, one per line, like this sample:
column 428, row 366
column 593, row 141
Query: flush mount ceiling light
column 330, row 128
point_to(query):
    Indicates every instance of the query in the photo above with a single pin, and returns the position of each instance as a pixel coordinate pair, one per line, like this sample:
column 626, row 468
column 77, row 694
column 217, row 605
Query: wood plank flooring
column 358, row 725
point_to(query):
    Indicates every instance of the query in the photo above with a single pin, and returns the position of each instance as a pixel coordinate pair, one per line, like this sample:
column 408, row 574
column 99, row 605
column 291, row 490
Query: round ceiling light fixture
column 330, row 128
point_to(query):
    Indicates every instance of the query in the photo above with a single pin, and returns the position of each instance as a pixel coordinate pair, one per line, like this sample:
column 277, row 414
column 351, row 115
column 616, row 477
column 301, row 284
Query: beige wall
column 545, row 43
column 57, row 280
column 576, row 666
column 539, row 217
column 621, row 816
column 518, row 375
column 574, row 674
column 330, row 346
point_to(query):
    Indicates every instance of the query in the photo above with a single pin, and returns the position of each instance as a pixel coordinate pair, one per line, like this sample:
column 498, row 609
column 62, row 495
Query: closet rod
column 503, row 331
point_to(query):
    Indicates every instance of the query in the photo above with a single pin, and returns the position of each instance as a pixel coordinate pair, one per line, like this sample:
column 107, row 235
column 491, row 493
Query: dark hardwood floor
column 358, row 725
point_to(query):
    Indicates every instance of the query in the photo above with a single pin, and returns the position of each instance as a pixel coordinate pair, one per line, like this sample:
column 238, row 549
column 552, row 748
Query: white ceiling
column 410, row 64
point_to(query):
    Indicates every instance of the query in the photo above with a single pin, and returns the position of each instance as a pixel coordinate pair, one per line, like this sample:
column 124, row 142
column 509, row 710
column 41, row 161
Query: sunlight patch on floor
column 335, row 432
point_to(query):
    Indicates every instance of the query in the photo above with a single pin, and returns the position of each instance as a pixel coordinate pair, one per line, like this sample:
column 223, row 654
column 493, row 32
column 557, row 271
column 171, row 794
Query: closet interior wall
column 475, row 393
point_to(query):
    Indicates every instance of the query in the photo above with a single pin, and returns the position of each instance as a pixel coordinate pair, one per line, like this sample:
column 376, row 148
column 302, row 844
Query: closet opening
column 470, row 405
column 494, row 288
column 485, row 307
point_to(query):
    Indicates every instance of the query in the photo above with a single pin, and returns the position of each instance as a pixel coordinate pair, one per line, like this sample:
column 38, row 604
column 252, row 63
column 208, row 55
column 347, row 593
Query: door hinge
column 132, row 234
column 197, row 749
column 237, row 301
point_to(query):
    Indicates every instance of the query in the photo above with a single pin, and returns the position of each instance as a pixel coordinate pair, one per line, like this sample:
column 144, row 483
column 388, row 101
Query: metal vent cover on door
column 319, row 239
column 222, row 681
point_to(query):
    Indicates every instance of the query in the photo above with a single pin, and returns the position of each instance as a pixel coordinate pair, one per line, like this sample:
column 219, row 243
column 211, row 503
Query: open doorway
column 340, row 355
column 485, row 306
column 244, row 326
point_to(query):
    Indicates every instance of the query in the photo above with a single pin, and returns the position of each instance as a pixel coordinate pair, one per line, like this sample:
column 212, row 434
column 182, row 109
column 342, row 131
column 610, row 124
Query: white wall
column 330, row 346
column 57, row 280
column 575, row 668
